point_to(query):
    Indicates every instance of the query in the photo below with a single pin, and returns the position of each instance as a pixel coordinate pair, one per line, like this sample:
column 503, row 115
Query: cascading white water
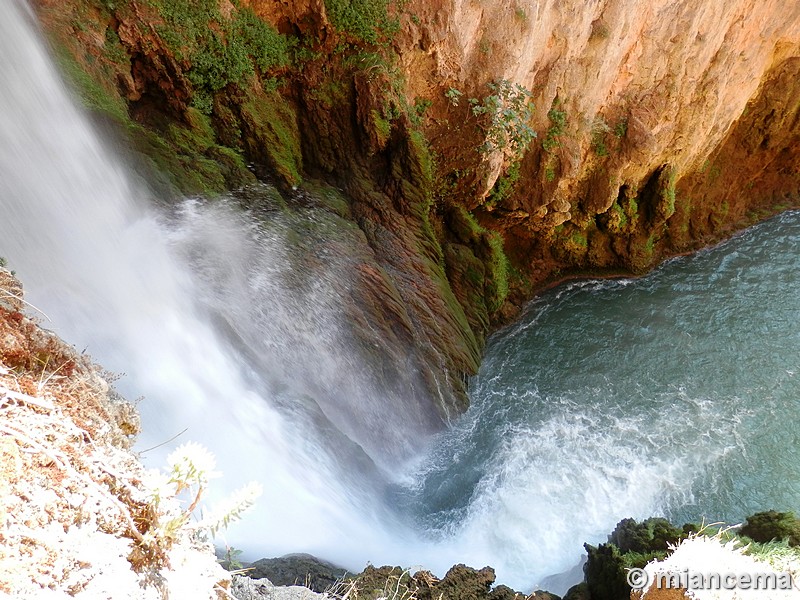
column 111, row 276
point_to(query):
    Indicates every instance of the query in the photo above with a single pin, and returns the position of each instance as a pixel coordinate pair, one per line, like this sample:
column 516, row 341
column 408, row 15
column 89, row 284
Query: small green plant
column 621, row 128
column 599, row 130
column 230, row 560
column 558, row 120
column 520, row 14
column 453, row 95
column 508, row 111
column 421, row 105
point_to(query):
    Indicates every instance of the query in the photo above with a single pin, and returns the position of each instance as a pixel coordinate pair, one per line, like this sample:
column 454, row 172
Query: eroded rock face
column 659, row 95
column 689, row 109
column 680, row 72
column 662, row 126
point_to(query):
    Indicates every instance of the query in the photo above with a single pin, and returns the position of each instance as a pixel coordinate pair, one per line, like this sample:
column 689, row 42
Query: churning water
column 674, row 394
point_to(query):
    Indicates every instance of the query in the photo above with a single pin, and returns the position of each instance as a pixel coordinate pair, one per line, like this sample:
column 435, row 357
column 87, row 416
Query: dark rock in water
column 297, row 569
column 771, row 525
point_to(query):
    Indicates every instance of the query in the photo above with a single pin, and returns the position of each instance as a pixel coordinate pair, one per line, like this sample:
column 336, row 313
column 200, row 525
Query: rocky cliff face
column 661, row 126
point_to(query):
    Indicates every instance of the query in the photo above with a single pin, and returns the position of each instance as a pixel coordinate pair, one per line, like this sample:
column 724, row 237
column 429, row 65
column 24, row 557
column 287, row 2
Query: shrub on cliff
column 630, row 545
column 771, row 525
column 365, row 20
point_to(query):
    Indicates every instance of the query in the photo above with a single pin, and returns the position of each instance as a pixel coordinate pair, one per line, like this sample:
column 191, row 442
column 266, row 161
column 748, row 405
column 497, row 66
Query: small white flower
column 157, row 485
column 191, row 463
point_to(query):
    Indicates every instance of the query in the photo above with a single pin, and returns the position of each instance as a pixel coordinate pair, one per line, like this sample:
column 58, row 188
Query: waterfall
column 115, row 278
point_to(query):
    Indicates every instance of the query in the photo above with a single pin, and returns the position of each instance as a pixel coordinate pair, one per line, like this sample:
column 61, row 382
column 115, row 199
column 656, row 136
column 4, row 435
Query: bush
column 767, row 526
column 558, row 120
column 648, row 536
column 221, row 51
column 509, row 110
column 366, row 20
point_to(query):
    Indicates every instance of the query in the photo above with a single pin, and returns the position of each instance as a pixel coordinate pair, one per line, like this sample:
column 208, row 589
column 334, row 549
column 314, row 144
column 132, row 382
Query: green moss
column 275, row 136
column 579, row 239
column 92, row 94
column 423, row 157
column 331, row 198
column 498, row 272
column 488, row 247
column 383, row 128
column 667, row 204
column 622, row 218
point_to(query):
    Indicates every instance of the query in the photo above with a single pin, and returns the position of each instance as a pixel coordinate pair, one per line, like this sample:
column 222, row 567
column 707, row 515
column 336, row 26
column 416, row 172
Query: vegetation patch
column 599, row 130
column 558, row 125
column 507, row 112
column 364, row 20
column 274, row 137
column 221, row 51
column 666, row 207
